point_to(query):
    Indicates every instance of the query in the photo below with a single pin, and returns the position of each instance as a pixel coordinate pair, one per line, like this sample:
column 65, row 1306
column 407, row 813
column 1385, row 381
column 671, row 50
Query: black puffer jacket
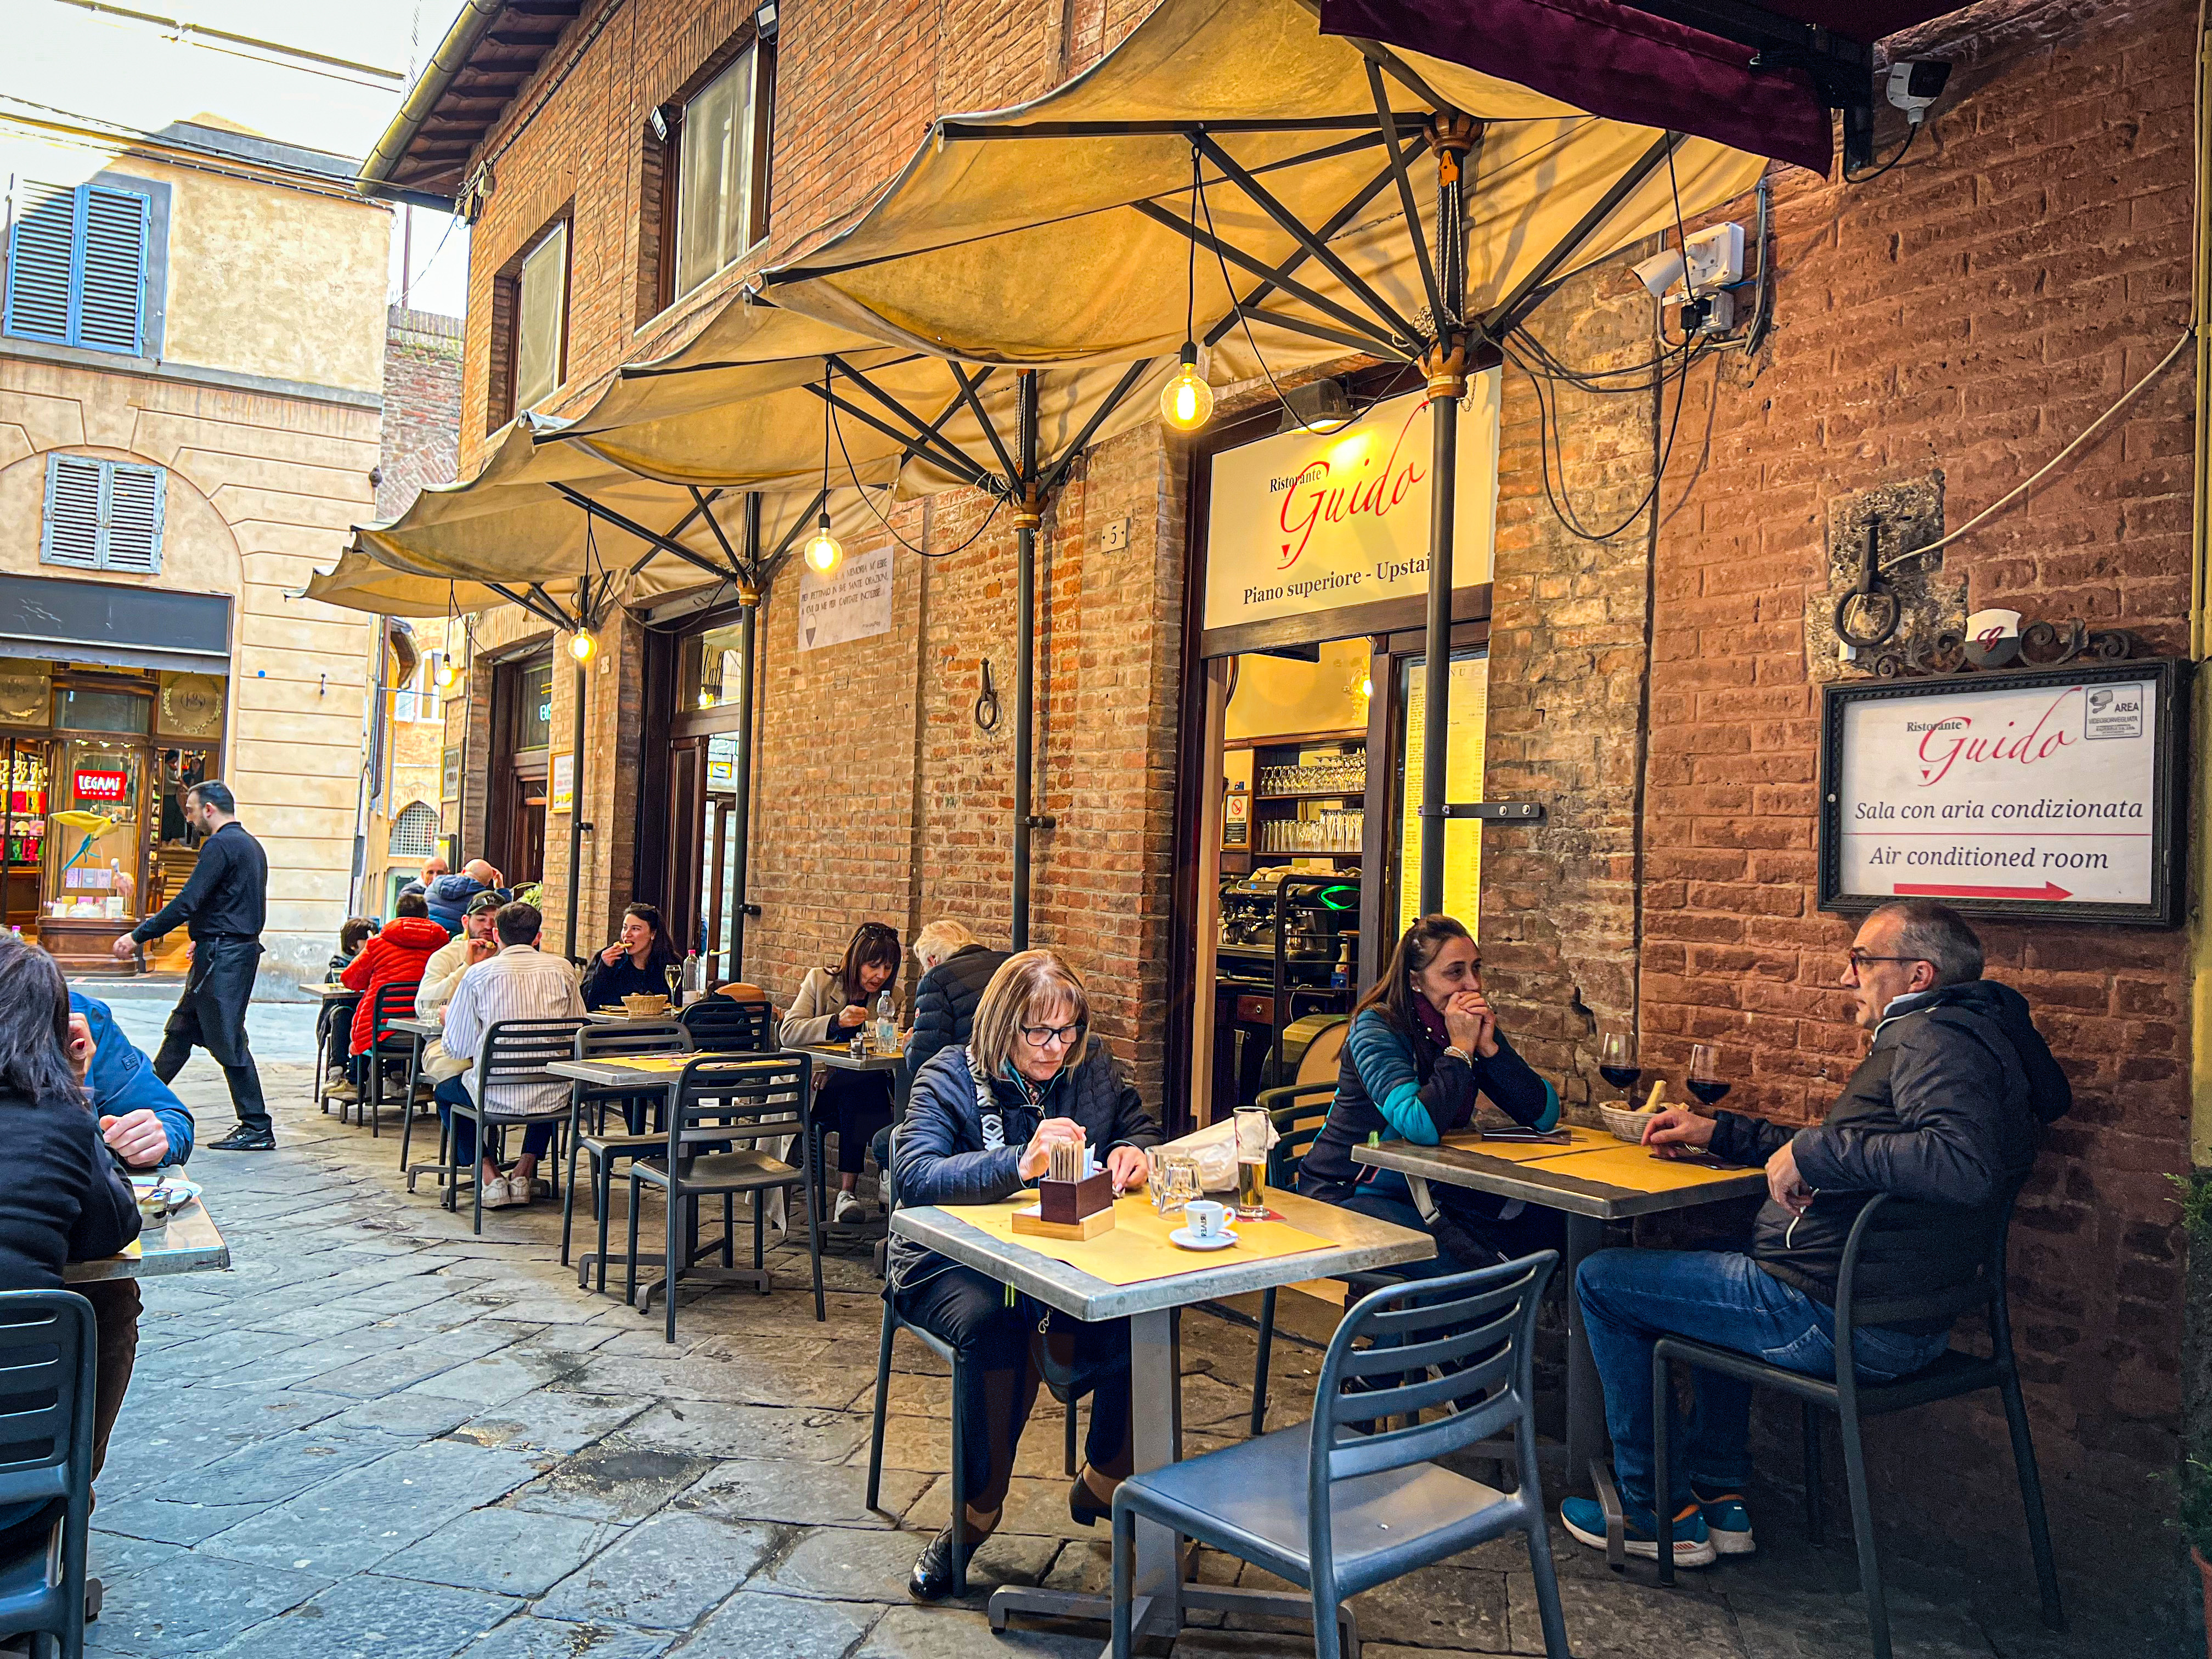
column 1944, row 1114
column 944, row 1003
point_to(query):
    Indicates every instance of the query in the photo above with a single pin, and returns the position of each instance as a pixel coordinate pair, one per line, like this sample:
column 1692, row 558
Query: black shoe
column 1083, row 1508
column 935, row 1576
column 243, row 1140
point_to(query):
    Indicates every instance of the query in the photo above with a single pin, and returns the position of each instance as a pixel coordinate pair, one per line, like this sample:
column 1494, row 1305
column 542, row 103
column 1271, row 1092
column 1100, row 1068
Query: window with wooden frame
column 530, row 325
column 703, row 199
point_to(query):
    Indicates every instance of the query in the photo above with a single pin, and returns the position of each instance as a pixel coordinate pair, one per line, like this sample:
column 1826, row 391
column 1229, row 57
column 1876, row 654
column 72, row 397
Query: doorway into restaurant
column 698, row 675
column 522, row 737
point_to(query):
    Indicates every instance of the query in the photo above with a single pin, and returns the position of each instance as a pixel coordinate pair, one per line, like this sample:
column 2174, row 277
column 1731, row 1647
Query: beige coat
column 812, row 1016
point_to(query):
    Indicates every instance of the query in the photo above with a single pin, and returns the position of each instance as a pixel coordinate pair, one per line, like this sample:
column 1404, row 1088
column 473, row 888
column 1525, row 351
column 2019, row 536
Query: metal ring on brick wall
column 986, row 703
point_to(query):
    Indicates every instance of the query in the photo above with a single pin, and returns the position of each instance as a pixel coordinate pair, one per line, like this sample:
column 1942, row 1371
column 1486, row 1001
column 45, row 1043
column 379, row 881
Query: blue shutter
column 112, row 283
column 131, row 533
column 70, row 535
column 41, row 260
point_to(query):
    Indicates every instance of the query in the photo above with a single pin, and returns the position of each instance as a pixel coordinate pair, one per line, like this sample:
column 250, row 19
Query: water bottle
column 694, row 977
column 886, row 1026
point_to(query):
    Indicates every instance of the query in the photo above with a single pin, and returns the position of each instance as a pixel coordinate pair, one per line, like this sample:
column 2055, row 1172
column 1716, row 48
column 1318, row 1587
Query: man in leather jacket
column 1944, row 1116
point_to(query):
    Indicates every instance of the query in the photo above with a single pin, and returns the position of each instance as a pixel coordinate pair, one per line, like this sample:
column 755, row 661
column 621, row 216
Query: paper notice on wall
column 2046, row 793
column 562, row 797
column 852, row 603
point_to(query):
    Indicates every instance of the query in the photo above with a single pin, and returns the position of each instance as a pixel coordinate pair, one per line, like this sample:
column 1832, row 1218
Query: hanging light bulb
column 444, row 674
column 1187, row 402
column 823, row 550
column 583, row 646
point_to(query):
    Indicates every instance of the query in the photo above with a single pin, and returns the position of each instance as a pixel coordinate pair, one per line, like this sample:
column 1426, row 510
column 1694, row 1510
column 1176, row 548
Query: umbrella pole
column 747, row 626
column 1027, row 513
column 576, row 813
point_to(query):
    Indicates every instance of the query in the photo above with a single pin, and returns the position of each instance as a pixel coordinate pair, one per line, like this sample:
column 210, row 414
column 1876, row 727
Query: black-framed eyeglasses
column 1041, row 1036
column 1859, row 959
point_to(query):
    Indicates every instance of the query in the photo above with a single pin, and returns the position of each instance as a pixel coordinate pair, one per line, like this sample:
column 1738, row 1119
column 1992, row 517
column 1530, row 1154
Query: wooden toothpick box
column 1070, row 1209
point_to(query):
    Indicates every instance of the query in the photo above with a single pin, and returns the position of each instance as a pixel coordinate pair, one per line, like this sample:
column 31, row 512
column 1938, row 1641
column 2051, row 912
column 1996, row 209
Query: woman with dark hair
column 61, row 1199
column 1424, row 1043
column 832, row 1003
column 635, row 965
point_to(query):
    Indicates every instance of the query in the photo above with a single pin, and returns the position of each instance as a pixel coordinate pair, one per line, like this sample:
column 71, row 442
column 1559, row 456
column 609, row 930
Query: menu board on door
column 2036, row 793
column 1470, row 723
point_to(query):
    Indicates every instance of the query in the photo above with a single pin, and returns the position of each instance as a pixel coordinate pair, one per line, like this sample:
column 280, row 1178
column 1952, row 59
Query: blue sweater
column 123, row 1079
column 1400, row 1089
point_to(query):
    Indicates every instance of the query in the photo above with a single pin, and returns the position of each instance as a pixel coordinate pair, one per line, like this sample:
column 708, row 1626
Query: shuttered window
column 77, row 266
column 414, row 833
column 103, row 515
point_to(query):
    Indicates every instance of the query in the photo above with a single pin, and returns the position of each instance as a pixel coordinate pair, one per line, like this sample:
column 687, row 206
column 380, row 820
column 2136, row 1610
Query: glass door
column 1470, row 724
column 26, row 764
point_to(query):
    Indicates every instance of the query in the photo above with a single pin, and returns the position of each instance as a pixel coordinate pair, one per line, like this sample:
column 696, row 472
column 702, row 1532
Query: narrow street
column 377, row 1437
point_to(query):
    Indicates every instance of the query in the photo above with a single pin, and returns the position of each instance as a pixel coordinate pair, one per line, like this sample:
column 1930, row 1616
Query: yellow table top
column 1137, row 1248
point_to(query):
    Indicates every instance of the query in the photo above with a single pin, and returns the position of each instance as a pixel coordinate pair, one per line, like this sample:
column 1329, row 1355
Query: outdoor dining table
column 839, row 1057
column 189, row 1244
column 1351, row 1243
column 328, row 994
column 1594, row 1179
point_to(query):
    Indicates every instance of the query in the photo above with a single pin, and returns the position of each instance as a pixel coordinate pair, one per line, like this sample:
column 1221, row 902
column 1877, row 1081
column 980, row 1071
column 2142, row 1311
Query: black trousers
column 1002, row 1352
column 211, row 1015
column 856, row 1107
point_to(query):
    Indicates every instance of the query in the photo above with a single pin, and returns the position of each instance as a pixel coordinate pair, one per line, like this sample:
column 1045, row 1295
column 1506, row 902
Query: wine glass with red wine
column 1705, row 1080
column 1616, row 1059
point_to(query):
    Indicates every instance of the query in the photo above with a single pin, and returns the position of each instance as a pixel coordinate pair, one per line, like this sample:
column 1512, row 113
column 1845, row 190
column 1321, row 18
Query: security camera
column 1661, row 272
column 1914, row 84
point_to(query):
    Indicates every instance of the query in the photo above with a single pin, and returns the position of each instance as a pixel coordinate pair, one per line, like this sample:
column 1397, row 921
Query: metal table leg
column 1586, row 1433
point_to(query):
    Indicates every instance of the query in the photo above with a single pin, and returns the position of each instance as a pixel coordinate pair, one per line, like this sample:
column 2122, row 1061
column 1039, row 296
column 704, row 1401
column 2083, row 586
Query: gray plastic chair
column 609, row 1042
column 1337, row 1512
column 47, row 1348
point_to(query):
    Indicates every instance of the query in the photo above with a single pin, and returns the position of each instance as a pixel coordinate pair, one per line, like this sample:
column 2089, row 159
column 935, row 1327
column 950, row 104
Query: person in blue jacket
column 1423, row 1044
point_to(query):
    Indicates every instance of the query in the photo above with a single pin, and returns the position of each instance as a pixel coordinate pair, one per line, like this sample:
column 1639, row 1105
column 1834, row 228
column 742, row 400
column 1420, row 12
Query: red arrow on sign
column 2050, row 892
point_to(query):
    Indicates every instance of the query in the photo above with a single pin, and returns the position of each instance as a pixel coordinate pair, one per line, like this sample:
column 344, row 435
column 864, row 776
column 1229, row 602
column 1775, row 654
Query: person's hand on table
column 81, row 1048
column 1786, row 1186
column 852, row 1014
column 1129, row 1167
column 137, row 1139
column 1036, row 1156
column 1678, row 1130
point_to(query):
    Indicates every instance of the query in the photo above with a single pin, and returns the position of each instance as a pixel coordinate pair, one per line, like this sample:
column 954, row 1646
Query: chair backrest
column 520, row 1050
column 1920, row 1239
column 659, row 1036
column 1299, row 1111
column 719, row 1097
column 46, row 1352
column 389, row 1003
column 1463, row 1342
column 721, row 1025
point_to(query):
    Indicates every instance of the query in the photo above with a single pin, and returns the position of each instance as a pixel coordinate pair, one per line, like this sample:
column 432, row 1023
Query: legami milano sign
column 2028, row 792
column 1321, row 521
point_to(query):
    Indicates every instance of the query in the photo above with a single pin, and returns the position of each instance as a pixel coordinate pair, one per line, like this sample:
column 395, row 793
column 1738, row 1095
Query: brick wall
column 421, row 406
column 1969, row 313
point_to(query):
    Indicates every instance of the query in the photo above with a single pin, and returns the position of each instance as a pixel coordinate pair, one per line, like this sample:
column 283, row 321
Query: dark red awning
column 1629, row 65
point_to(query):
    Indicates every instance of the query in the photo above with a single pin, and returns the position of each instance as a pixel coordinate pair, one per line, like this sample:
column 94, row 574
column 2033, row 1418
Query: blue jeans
column 1632, row 1298
column 1387, row 1198
column 538, row 1138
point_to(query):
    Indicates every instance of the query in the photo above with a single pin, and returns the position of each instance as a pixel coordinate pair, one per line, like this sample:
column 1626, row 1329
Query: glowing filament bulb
column 1186, row 401
column 823, row 550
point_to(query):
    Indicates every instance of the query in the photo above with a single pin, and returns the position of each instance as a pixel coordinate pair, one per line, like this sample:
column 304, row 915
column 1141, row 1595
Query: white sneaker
column 850, row 1207
column 500, row 1194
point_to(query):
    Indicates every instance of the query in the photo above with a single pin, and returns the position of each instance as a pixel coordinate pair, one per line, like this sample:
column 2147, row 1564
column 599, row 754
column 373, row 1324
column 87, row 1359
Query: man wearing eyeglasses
column 1944, row 1116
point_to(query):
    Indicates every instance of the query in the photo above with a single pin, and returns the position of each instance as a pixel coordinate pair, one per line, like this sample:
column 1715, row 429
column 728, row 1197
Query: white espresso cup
column 1205, row 1218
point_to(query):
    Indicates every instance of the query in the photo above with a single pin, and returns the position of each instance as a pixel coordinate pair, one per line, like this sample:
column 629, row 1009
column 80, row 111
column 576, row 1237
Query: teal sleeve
column 1402, row 1108
column 1549, row 1117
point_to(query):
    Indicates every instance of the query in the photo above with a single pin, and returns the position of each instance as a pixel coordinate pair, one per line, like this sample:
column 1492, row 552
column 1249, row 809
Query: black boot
column 941, row 1569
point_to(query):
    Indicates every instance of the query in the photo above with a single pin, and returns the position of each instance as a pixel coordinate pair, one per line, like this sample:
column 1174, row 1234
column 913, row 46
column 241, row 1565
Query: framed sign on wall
column 2044, row 793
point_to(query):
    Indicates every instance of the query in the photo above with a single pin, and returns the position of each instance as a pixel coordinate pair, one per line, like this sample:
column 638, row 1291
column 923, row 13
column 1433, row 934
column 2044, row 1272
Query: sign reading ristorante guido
column 2036, row 793
column 1307, row 522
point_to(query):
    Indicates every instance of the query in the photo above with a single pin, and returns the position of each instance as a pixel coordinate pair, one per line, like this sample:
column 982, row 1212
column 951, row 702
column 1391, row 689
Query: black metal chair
column 1957, row 1372
column 514, row 1052
column 1338, row 1511
column 719, row 1100
column 1298, row 1121
column 48, row 1344
column 386, row 1004
column 723, row 1025
column 894, row 1322
column 625, row 1042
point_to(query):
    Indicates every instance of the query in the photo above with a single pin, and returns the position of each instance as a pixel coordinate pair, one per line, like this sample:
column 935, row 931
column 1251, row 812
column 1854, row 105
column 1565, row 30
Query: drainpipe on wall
column 2197, row 1296
column 576, row 811
column 1028, row 514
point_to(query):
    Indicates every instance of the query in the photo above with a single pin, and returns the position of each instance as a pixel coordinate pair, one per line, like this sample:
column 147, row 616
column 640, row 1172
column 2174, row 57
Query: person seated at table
column 398, row 955
column 433, row 867
column 62, row 1198
column 332, row 1031
column 1943, row 1114
column 441, row 977
column 832, row 1003
column 1424, row 1043
column 634, row 965
column 955, row 967
column 449, row 895
column 980, row 1124
column 520, row 982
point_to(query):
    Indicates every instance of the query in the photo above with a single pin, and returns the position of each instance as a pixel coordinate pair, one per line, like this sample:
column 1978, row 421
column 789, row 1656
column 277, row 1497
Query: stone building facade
column 1960, row 319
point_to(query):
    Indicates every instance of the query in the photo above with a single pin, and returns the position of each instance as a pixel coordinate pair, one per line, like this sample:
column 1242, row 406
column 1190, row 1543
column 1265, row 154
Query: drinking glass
column 1706, row 1082
column 1616, row 1059
column 674, row 974
column 1253, row 1126
column 1172, row 1178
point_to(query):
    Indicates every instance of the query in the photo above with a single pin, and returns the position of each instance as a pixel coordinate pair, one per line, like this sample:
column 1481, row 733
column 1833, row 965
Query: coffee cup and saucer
column 1206, row 1227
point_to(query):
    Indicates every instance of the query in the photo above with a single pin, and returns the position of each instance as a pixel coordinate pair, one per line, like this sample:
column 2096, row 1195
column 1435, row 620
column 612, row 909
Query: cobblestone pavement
column 378, row 1437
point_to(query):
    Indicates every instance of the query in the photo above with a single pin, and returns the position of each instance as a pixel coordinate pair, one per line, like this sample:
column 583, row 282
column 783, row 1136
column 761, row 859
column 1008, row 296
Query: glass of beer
column 1253, row 1127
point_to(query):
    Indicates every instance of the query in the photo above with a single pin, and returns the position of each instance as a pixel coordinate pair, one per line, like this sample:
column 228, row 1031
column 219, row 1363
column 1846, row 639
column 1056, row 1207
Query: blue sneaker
column 1726, row 1519
column 1693, row 1544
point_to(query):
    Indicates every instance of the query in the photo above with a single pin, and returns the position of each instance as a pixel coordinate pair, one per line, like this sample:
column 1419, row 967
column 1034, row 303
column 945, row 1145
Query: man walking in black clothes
column 223, row 904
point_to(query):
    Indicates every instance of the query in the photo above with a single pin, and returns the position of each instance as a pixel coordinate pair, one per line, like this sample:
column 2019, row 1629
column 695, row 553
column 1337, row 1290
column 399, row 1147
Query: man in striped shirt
column 520, row 982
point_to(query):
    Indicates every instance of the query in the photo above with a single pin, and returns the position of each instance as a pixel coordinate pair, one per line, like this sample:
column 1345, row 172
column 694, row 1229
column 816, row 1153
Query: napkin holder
column 1070, row 1209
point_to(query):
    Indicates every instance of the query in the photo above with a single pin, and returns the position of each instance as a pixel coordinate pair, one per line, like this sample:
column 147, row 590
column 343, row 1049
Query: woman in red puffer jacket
column 395, row 956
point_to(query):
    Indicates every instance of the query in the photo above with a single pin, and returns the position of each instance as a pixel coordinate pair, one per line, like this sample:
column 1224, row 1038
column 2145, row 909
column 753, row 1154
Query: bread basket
column 644, row 1004
column 1625, row 1121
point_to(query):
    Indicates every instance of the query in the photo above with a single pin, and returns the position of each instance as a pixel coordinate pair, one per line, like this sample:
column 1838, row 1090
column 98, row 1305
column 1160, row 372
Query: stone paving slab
column 531, row 1637
column 664, row 1573
column 372, row 1617
column 194, row 1603
column 505, row 1552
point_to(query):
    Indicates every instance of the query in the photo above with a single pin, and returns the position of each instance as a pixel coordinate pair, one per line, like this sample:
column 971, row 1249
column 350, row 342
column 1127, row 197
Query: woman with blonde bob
column 980, row 1126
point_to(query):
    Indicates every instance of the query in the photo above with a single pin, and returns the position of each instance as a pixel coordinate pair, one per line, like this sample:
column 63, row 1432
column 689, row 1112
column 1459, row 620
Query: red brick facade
column 1963, row 316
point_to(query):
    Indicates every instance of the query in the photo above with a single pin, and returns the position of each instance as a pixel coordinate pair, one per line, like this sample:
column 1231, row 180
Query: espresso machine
column 1288, row 938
